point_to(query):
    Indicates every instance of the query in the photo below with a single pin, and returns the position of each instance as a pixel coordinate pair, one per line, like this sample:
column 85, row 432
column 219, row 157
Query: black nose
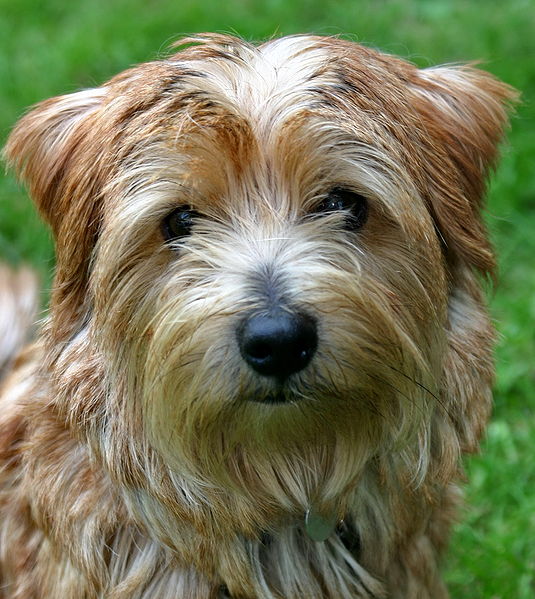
column 278, row 344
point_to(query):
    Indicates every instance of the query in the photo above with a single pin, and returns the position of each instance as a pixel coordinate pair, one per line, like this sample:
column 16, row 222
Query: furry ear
column 56, row 149
column 45, row 149
column 464, row 112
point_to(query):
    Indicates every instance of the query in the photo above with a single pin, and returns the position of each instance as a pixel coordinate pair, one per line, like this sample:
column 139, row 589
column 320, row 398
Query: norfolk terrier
column 267, row 348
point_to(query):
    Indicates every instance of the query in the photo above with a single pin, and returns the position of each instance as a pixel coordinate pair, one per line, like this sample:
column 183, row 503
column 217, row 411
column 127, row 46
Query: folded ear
column 55, row 151
column 46, row 149
column 464, row 112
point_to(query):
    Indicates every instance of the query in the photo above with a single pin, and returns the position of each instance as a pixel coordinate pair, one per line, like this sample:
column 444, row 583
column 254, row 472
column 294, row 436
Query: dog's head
column 269, row 253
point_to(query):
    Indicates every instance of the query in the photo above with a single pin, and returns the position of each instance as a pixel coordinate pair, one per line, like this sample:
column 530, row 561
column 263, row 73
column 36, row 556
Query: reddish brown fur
column 133, row 463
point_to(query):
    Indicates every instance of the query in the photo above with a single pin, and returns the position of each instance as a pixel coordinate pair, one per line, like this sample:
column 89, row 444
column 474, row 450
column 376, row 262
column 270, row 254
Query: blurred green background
column 54, row 46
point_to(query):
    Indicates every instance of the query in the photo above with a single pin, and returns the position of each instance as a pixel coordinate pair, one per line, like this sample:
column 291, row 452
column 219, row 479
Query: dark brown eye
column 178, row 223
column 353, row 204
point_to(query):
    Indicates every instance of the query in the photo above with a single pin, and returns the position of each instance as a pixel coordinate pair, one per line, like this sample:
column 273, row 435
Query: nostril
column 279, row 343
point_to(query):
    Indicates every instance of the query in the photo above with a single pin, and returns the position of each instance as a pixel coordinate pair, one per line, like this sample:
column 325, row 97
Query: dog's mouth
column 275, row 398
column 278, row 393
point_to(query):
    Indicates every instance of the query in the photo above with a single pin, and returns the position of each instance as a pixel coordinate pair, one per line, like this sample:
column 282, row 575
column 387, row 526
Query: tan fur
column 18, row 307
column 134, row 461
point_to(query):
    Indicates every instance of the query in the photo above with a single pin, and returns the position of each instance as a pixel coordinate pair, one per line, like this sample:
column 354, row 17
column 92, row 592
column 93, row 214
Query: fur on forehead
column 439, row 126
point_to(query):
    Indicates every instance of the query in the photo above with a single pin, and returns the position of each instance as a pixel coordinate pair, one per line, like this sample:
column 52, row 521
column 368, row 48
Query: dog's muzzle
column 279, row 343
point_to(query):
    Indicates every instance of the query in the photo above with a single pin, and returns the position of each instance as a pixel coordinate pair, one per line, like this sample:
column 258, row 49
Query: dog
column 267, row 347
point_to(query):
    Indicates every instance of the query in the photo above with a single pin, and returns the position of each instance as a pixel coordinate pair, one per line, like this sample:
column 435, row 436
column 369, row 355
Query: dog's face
column 264, row 249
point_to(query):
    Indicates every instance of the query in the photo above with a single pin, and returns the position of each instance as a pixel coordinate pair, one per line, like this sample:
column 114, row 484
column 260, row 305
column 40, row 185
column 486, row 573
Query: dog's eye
column 178, row 223
column 352, row 203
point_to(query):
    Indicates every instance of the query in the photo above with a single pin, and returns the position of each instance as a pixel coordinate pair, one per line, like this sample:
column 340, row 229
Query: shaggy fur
column 141, row 456
column 18, row 302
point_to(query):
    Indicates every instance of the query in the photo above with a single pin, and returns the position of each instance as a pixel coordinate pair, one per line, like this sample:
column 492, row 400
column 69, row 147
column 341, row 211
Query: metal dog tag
column 318, row 527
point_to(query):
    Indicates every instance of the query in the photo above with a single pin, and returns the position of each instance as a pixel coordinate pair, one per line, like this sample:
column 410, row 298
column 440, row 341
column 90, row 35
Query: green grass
column 53, row 47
